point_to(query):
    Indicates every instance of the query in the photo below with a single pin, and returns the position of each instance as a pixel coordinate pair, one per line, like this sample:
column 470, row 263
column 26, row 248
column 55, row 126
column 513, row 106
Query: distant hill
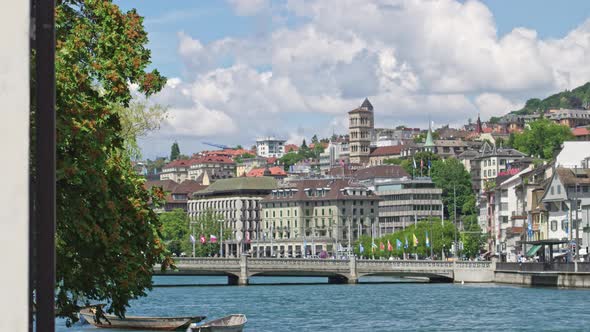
column 575, row 99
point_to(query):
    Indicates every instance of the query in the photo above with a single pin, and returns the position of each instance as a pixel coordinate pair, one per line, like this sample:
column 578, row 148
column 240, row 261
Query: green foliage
column 494, row 120
column 174, row 151
column 290, row 158
column 208, row 224
column 542, row 138
column 155, row 166
column 239, row 159
column 107, row 236
column 315, row 139
column 473, row 238
column 576, row 99
column 449, row 175
column 176, row 231
column 441, row 237
column 138, row 120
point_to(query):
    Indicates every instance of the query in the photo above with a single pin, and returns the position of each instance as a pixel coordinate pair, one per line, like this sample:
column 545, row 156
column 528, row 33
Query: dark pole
column 456, row 253
column 45, row 164
column 575, row 222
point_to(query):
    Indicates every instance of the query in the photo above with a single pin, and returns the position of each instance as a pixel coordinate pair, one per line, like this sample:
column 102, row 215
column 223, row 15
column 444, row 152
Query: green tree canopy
column 450, row 175
column 176, row 231
column 542, row 138
column 440, row 236
column 138, row 120
column 107, row 236
column 174, row 151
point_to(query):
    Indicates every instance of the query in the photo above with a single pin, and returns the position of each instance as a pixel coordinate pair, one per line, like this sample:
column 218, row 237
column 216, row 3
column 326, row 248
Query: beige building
column 382, row 153
column 361, row 126
column 308, row 217
column 236, row 202
column 216, row 167
column 176, row 170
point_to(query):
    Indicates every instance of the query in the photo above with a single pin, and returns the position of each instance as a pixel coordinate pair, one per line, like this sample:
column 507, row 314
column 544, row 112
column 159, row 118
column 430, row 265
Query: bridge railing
column 298, row 262
column 207, row 261
column 544, row 267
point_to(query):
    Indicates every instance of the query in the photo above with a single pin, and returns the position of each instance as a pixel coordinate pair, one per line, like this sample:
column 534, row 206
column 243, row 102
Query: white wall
column 14, row 144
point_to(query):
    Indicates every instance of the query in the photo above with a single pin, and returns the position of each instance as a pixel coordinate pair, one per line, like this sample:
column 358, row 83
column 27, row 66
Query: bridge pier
column 233, row 280
column 342, row 280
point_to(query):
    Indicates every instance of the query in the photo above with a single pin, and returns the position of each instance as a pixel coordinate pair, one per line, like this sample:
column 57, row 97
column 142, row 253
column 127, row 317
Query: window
column 554, row 225
column 564, row 225
column 558, row 189
column 552, row 191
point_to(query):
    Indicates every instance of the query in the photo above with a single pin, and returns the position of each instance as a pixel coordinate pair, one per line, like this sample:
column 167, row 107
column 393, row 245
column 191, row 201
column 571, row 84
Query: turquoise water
column 368, row 306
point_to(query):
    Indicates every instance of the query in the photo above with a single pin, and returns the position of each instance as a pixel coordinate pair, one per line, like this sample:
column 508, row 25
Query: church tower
column 360, row 126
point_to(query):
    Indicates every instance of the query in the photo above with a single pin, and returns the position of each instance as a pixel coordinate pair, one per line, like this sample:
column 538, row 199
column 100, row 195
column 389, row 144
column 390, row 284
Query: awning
column 531, row 252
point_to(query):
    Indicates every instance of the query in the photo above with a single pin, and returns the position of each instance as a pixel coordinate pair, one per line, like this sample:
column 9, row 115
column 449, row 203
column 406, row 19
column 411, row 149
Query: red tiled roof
column 274, row 171
column 291, row 147
column 271, row 160
column 178, row 163
column 213, row 159
column 487, row 130
column 393, row 150
column 323, row 144
column 581, row 131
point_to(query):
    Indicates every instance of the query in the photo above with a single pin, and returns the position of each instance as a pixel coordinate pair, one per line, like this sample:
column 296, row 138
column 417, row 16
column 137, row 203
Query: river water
column 373, row 305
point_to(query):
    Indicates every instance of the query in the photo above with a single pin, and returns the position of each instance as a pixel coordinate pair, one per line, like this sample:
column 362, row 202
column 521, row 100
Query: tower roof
column 367, row 104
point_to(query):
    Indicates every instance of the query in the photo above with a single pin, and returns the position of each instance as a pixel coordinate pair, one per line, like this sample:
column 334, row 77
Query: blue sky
column 247, row 68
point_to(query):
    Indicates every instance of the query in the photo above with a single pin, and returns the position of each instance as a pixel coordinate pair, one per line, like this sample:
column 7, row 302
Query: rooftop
column 387, row 151
column 241, row 184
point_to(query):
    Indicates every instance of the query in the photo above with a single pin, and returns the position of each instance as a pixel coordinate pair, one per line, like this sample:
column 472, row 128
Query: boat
column 231, row 323
column 139, row 322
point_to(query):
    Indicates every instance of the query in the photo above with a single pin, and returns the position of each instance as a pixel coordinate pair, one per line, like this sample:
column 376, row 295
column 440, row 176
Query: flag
column 406, row 244
column 203, row 239
column 414, row 161
column 373, row 246
column 389, row 247
column 342, row 162
column 212, row 238
column 429, row 164
column 398, row 244
column 361, row 248
column 247, row 237
column 421, row 163
column 415, row 240
column 427, row 240
column 381, row 246
column 193, row 240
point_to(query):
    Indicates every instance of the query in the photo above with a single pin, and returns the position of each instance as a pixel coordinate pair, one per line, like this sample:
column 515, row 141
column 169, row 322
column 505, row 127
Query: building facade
column 380, row 154
column 176, row 170
column 336, row 154
column 361, row 127
column 236, row 203
column 311, row 217
column 216, row 167
column 270, row 147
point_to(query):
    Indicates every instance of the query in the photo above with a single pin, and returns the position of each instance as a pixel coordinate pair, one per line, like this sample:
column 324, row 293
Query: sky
column 242, row 69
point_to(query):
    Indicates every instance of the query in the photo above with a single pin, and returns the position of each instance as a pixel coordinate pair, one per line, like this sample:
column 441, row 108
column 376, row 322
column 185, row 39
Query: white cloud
column 492, row 104
column 414, row 59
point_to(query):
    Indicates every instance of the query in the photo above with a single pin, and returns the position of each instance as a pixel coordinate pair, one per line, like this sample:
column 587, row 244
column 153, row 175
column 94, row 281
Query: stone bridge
column 239, row 270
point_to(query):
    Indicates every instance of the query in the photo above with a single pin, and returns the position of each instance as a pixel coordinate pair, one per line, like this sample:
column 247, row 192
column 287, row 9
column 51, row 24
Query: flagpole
column 221, row 238
column 193, row 239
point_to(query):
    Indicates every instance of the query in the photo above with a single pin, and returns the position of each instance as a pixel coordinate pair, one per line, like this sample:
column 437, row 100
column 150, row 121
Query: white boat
column 231, row 323
column 139, row 322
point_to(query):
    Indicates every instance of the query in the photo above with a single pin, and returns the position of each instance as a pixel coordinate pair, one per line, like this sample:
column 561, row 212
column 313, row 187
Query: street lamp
column 220, row 237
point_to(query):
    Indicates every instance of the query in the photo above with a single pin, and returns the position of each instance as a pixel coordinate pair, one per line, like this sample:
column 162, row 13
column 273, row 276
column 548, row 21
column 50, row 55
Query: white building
column 270, row 147
column 336, row 153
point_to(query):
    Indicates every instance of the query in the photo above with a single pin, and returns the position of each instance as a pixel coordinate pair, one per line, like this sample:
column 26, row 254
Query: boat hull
column 140, row 323
column 232, row 323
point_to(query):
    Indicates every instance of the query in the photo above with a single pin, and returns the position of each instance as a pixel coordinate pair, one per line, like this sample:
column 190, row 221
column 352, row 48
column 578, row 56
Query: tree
column 440, row 236
column 107, row 236
column 290, row 158
column 136, row 121
column 175, row 231
column 542, row 138
column 303, row 145
column 206, row 225
column 451, row 176
column 174, row 151
column 473, row 238
column 314, row 139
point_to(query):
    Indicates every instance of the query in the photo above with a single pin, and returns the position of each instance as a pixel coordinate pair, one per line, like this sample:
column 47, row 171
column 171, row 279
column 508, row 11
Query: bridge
column 239, row 270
